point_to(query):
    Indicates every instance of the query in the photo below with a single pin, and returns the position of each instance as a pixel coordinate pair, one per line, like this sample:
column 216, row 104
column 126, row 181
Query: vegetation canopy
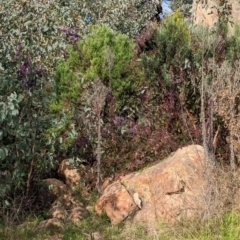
column 100, row 84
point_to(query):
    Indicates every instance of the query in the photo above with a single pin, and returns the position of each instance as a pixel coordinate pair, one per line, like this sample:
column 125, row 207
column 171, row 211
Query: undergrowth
column 226, row 227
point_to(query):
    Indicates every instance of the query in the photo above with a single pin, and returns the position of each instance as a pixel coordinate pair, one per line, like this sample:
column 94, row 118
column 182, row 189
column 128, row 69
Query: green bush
column 233, row 46
column 173, row 40
column 104, row 55
column 170, row 50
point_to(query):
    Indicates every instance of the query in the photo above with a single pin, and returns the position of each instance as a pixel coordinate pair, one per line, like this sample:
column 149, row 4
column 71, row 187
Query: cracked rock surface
column 169, row 190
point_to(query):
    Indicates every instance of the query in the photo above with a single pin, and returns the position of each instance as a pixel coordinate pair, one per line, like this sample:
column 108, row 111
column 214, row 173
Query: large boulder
column 170, row 190
column 205, row 12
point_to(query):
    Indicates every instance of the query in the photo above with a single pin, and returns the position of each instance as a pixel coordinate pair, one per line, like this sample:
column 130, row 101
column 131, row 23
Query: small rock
column 55, row 186
column 51, row 224
column 95, row 236
column 137, row 200
column 69, row 173
column 76, row 215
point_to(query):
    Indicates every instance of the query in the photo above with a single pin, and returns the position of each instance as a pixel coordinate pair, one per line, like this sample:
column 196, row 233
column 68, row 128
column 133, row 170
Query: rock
column 67, row 208
column 69, row 173
column 116, row 202
column 58, row 210
column 95, row 236
column 137, row 200
column 55, row 186
column 106, row 183
column 205, row 12
column 69, row 201
column 53, row 224
column 171, row 189
column 90, row 209
column 76, row 215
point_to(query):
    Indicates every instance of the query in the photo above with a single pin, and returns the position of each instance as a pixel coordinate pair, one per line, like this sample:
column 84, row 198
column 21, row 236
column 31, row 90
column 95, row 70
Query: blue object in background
column 89, row 19
column 166, row 8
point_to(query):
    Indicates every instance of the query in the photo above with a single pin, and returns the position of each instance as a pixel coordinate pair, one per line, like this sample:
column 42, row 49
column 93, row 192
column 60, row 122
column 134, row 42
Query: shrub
column 103, row 55
column 171, row 52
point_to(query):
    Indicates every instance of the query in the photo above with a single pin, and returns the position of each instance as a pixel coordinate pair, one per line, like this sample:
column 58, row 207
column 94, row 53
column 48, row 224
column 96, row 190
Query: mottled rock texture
column 170, row 190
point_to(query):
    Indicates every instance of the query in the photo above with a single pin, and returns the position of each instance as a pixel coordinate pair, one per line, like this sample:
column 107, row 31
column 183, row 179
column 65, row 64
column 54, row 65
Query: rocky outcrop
column 170, row 190
column 69, row 173
column 65, row 207
column 205, row 12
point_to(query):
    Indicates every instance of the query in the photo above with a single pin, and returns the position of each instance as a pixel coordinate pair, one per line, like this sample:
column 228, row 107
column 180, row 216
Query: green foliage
column 40, row 31
column 103, row 54
column 107, row 56
column 31, row 48
column 171, row 50
column 23, row 121
column 173, row 40
column 233, row 44
column 203, row 44
column 222, row 227
column 184, row 6
column 24, row 232
column 68, row 83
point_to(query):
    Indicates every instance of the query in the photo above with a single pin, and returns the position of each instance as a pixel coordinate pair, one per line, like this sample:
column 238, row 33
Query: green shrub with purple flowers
column 53, row 57
column 33, row 39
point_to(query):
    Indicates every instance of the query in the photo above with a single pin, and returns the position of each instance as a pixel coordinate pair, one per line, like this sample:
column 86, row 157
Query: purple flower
column 171, row 98
column 118, row 120
column 39, row 72
column 30, row 83
column 19, row 51
column 132, row 130
column 23, row 71
column 72, row 34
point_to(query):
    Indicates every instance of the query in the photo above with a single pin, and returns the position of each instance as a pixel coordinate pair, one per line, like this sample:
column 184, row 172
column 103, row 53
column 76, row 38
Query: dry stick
column 99, row 98
column 204, row 133
column 232, row 155
column 208, row 165
column 210, row 138
column 19, row 207
column 215, row 139
column 31, row 167
column 29, row 177
column 99, row 143
column 185, row 120
column 232, row 114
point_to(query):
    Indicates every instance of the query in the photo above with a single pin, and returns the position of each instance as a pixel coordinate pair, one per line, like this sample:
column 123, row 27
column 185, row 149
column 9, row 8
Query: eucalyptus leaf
column 3, row 153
